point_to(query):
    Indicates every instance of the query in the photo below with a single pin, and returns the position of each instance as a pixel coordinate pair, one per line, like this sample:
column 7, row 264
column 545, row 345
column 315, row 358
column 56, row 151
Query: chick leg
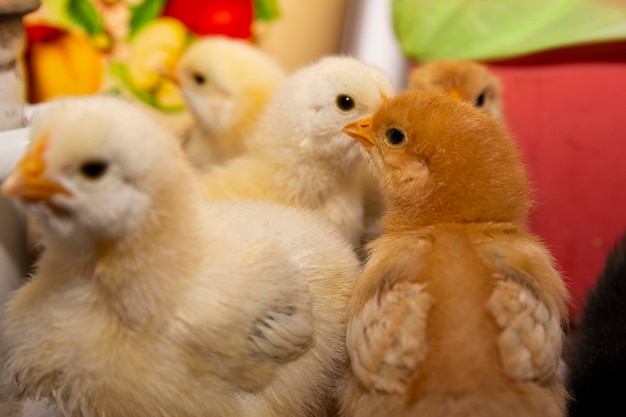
column 387, row 339
column 531, row 338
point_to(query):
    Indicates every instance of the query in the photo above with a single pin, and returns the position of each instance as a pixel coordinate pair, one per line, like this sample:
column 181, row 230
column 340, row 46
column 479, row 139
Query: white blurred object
column 369, row 36
column 13, row 253
column 30, row 110
column 38, row 409
column 12, row 145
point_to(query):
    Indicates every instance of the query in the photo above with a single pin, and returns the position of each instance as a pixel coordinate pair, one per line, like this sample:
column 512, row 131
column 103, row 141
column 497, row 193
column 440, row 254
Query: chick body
column 149, row 301
column 458, row 310
column 444, row 274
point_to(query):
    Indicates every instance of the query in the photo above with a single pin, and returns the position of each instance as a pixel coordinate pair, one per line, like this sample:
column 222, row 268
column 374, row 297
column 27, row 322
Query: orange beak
column 27, row 181
column 169, row 74
column 359, row 130
column 454, row 94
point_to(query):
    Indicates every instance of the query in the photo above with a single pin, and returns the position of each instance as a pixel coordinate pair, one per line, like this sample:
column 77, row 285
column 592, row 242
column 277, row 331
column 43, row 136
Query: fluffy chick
column 150, row 302
column 226, row 83
column 298, row 154
column 596, row 358
column 458, row 310
column 466, row 80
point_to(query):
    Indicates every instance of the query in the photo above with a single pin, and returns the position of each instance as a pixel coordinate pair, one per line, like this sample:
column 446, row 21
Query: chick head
column 441, row 160
column 311, row 107
column 465, row 80
column 224, row 80
column 93, row 168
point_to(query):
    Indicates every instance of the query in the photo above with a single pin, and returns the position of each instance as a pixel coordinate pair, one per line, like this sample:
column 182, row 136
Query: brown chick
column 465, row 80
column 458, row 310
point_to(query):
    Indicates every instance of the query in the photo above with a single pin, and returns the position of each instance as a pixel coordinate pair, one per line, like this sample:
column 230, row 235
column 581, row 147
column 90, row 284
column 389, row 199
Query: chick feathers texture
column 469, row 81
column 151, row 302
column 298, row 154
column 458, row 310
column 596, row 358
column 226, row 84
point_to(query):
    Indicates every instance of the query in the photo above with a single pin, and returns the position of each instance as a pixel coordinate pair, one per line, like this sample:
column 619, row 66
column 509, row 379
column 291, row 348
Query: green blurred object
column 266, row 10
column 144, row 13
column 85, row 15
column 430, row 30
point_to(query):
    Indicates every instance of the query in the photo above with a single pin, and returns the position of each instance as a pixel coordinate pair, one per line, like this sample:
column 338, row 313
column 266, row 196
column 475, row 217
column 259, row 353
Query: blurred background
column 562, row 64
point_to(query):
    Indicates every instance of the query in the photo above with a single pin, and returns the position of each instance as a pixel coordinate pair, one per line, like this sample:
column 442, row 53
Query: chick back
column 461, row 334
column 461, row 375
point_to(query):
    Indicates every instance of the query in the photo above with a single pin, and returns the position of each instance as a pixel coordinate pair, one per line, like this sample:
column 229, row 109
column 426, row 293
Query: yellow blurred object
column 154, row 49
column 153, row 52
column 66, row 65
column 167, row 96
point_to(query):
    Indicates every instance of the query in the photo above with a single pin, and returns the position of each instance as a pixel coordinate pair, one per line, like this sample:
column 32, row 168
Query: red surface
column 567, row 109
column 231, row 18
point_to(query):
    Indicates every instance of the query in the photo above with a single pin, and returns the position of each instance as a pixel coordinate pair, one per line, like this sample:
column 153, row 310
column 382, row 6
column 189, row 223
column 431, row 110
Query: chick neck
column 317, row 172
column 436, row 208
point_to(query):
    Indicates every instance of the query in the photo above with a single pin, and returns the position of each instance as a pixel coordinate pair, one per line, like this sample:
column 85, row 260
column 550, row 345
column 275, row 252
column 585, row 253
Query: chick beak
column 359, row 130
column 27, row 181
column 454, row 94
column 169, row 74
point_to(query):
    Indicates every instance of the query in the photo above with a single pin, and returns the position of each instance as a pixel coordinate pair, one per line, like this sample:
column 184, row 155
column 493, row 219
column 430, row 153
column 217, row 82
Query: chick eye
column 480, row 100
column 93, row 169
column 395, row 136
column 345, row 102
column 199, row 78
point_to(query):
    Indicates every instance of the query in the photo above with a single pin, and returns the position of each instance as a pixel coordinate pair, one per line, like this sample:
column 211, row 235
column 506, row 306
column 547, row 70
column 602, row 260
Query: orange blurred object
column 61, row 63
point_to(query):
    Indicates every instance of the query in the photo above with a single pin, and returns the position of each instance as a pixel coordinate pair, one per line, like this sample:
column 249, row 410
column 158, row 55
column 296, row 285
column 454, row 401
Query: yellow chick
column 148, row 301
column 226, row 83
column 465, row 80
column 298, row 154
column 458, row 310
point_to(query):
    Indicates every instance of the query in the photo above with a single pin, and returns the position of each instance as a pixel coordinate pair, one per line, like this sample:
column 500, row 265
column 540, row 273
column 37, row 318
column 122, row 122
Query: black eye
column 199, row 78
column 93, row 169
column 395, row 136
column 345, row 102
column 480, row 100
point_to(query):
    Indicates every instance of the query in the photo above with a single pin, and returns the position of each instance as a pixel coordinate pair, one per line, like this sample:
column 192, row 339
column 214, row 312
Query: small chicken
column 458, row 310
column 226, row 83
column 466, row 80
column 298, row 154
column 149, row 301
column 596, row 358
